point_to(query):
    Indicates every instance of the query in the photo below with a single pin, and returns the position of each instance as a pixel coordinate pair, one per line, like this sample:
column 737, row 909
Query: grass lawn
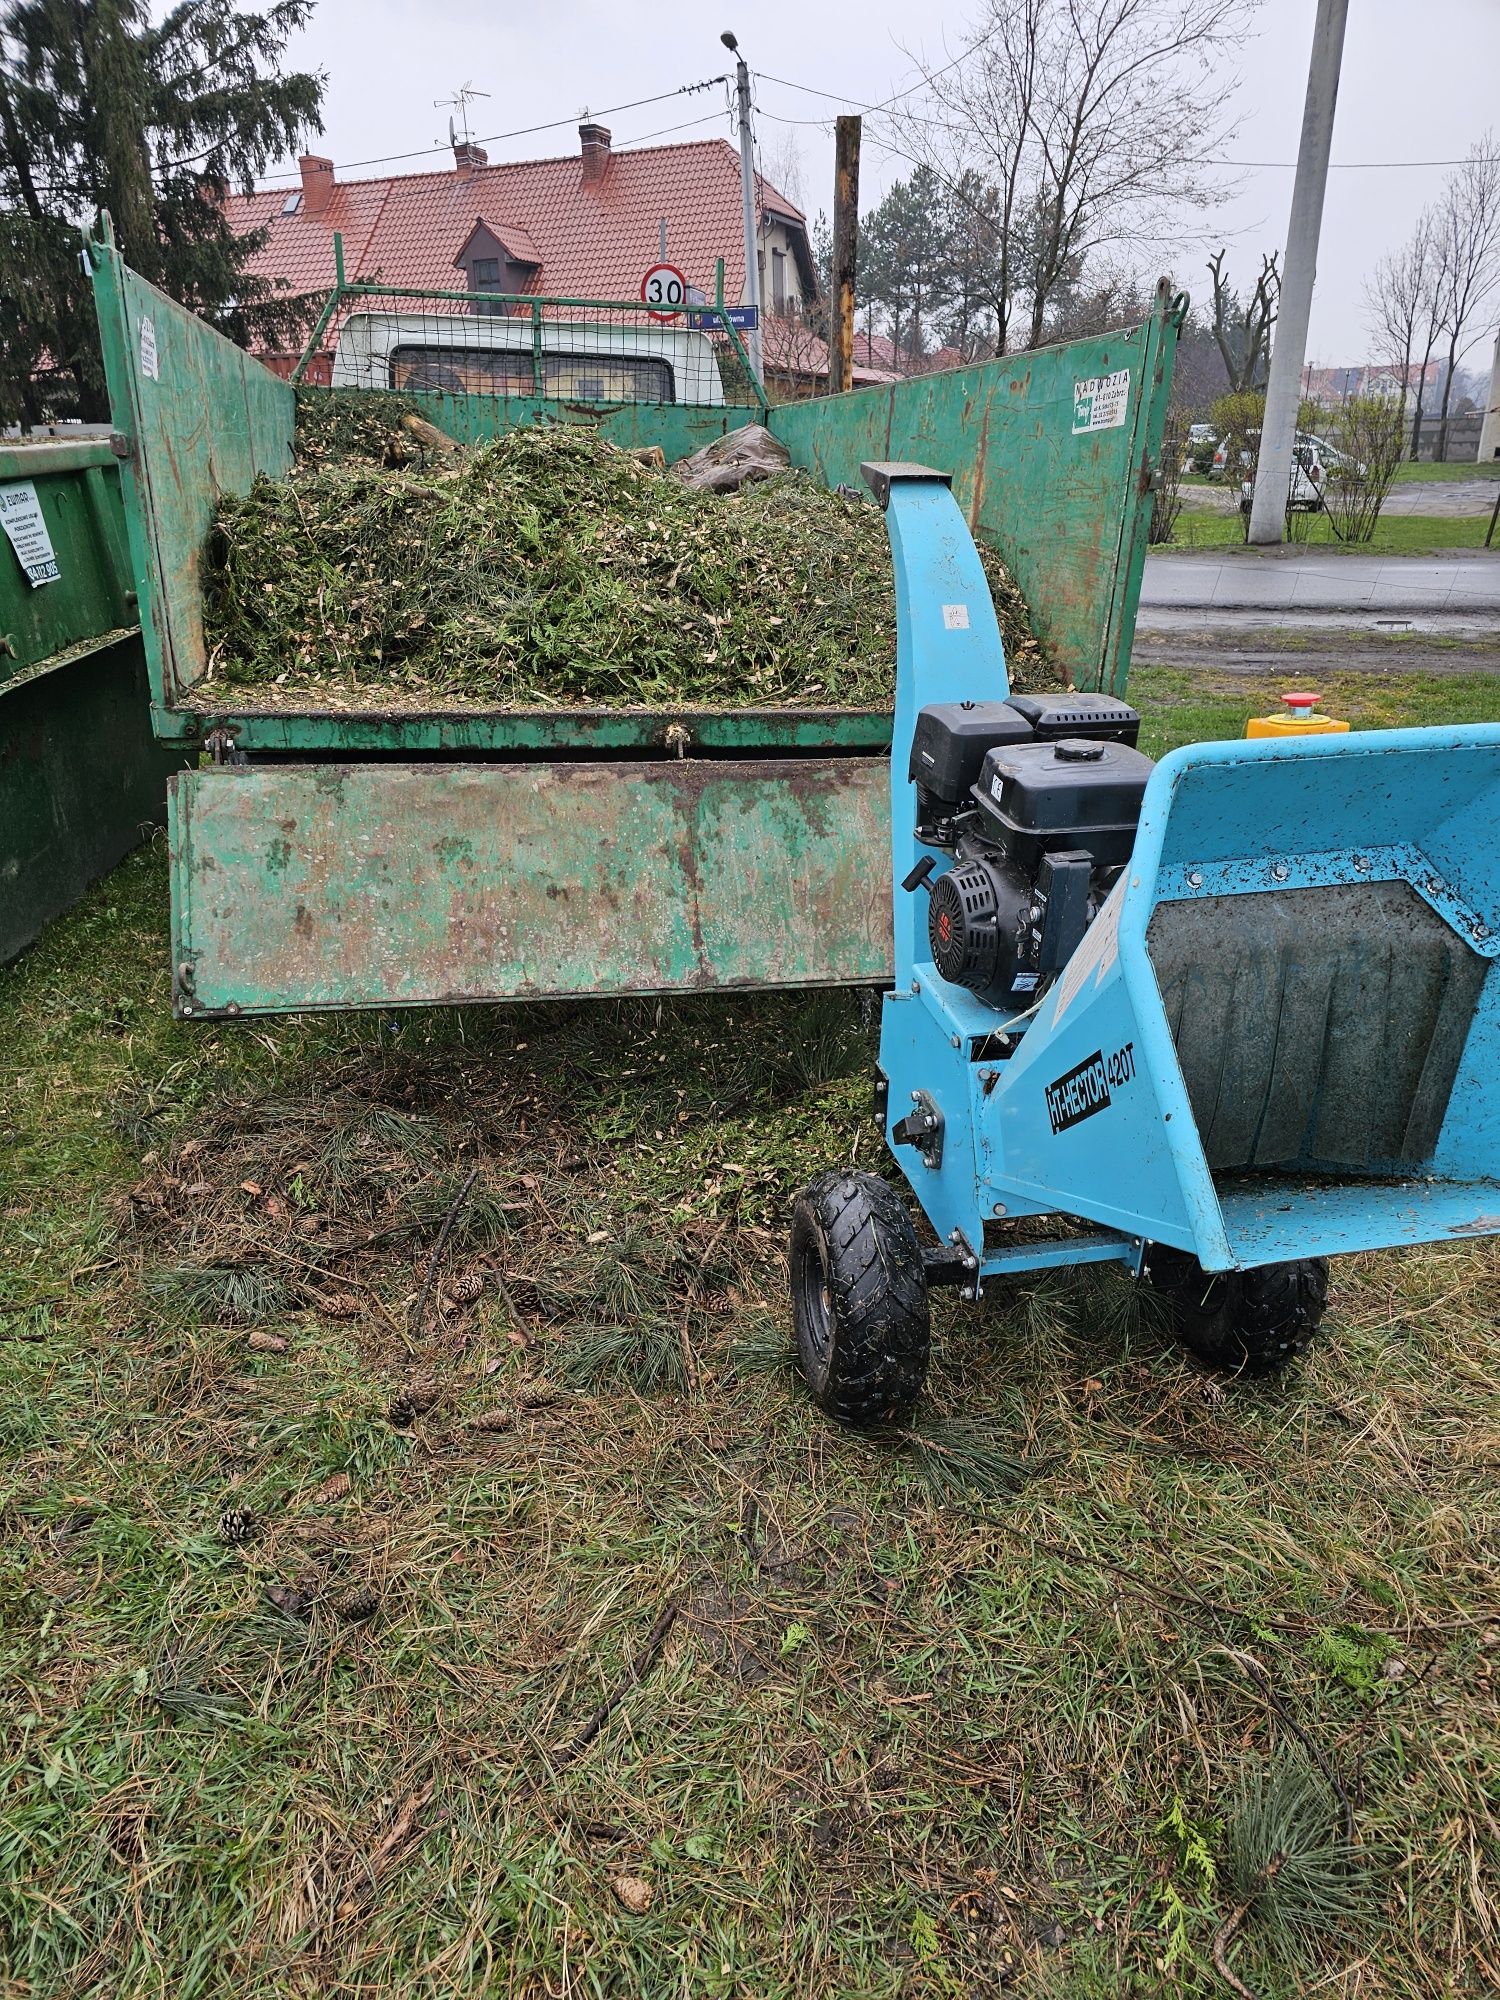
column 1408, row 474
column 551, row 1583
column 1182, row 707
column 1395, row 535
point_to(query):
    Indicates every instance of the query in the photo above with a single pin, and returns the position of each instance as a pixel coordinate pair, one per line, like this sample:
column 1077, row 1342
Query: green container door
column 363, row 885
column 81, row 775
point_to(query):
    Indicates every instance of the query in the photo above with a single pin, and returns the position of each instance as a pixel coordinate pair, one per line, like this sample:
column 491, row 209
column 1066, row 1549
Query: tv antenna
column 460, row 101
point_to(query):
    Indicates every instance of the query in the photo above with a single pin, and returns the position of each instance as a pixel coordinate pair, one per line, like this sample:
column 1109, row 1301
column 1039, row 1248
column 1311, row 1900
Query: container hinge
column 119, row 444
column 223, row 749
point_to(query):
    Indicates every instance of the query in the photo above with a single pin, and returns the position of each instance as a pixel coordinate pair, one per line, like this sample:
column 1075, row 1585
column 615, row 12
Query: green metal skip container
column 388, row 857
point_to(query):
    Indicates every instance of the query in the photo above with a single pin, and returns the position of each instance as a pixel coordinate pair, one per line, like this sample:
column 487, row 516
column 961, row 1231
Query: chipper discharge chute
column 1221, row 1018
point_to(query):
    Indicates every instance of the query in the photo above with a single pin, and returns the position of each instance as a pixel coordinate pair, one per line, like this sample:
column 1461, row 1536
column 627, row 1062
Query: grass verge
column 524, row 1631
column 1395, row 535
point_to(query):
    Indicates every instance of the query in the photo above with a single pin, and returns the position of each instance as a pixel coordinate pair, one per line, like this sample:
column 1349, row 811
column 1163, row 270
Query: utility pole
column 1278, row 436
column 845, row 251
column 747, row 198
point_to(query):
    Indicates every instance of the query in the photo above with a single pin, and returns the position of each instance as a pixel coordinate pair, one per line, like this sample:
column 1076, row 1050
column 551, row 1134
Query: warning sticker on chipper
column 1097, row 954
column 21, row 518
column 1099, row 404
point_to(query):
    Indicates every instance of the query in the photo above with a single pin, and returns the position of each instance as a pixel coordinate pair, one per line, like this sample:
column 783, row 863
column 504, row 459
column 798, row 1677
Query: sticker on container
column 1099, row 404
column 149, row 363
column 956, row 617
column 21, row 518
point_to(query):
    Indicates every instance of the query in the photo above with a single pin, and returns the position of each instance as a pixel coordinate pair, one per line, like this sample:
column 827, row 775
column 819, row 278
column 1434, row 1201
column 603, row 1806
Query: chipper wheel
column 859, row 1298
column 1250, row 1322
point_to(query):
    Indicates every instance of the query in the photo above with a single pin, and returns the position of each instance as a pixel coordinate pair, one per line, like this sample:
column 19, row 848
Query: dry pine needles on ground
column 550, row 569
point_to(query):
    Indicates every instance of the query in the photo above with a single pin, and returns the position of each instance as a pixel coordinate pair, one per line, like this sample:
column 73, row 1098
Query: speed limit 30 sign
column 664, row 289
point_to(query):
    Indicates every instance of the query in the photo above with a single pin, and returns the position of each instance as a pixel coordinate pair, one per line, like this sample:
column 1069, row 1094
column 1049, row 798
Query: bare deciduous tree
column 1087, row 122
column 1242, row 333
column 1402, row 300
column 1468, row 252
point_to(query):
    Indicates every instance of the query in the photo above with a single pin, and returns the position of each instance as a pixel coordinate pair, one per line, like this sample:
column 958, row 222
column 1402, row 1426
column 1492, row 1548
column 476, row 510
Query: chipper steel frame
column 1255, row 1027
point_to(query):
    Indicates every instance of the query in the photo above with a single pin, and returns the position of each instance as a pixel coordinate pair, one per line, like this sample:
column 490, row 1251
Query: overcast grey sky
column 1421, row 82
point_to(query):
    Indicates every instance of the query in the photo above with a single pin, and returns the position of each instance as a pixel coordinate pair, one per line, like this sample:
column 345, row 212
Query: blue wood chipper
column 1219, row 1018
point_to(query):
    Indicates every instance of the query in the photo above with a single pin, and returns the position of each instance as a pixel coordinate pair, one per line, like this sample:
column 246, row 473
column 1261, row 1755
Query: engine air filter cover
column 1091, row 715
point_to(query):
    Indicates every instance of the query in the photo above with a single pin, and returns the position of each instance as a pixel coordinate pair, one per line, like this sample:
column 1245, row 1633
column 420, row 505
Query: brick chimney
column 467, row 157
column 595, row 140
column 317, row 183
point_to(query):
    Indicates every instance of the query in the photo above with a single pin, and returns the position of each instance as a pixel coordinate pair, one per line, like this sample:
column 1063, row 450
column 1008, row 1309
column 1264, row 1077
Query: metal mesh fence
column 505, row 345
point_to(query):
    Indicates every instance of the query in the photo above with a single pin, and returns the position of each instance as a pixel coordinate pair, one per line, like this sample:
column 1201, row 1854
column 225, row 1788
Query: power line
column 523, row 131
column 1354, row 166
column 834, row 97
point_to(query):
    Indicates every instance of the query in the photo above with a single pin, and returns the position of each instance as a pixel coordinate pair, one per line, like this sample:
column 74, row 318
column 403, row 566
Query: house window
column 486, row 275
column 778, row 280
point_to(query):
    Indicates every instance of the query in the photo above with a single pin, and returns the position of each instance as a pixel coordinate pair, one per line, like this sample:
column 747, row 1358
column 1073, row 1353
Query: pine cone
column 498, row 1419
column 239, row 1524
column 465, row 1287
column 535, row 1395
column 341, row 1305
column 413, row 1399
column 357, row 1605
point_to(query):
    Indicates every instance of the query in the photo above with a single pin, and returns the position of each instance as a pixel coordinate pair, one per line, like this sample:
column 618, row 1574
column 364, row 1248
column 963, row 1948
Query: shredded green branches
column 551, row 569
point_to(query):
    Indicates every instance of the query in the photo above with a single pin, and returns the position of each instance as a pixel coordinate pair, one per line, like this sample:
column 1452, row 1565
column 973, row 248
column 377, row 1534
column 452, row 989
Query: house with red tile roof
column 584, row 226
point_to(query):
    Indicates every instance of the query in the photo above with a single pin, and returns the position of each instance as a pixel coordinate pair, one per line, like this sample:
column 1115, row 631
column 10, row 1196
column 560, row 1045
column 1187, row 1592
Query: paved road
column 1440, row 498
column 1311, row 580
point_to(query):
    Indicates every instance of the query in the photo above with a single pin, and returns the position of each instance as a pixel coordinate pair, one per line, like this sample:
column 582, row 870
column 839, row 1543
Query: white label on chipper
column 956, row 617
column 150, row 363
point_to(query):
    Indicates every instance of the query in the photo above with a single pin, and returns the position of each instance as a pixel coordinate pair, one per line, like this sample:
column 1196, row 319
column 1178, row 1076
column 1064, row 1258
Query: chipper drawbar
column 1217, row 1018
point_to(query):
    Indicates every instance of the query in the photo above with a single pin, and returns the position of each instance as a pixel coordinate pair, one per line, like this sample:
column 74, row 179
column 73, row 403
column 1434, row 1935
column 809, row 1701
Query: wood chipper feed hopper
column 382, row 855
column 1220, row 1018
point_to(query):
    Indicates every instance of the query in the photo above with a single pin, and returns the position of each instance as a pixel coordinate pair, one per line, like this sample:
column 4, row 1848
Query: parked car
column 502, row 356
column 1338, row 464
column 1309, row 474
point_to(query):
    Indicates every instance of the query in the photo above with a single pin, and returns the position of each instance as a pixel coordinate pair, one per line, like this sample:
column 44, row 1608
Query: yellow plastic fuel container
column 1299, row 720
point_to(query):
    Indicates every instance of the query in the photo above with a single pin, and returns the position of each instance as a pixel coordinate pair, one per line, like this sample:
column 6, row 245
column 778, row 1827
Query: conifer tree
column 102, row 109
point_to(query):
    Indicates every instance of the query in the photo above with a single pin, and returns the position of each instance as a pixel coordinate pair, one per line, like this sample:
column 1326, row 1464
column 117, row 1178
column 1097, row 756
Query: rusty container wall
column 81, row 777
column 360, row 885
column 1052, row 452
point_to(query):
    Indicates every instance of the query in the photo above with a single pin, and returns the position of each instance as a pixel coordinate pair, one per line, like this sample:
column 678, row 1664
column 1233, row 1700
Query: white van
column 1308, row 476
column 600, row 361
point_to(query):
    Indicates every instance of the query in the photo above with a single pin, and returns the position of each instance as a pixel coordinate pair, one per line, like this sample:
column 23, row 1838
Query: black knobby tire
column 1250, row 1322
column 859, row 1299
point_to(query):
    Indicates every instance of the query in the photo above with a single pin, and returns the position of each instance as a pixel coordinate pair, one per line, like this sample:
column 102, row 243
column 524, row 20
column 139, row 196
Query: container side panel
column 89, row 601
column 201, row 418
column 1051, row 454
column 365, row 885
column 81, row 783
column 571, row 731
